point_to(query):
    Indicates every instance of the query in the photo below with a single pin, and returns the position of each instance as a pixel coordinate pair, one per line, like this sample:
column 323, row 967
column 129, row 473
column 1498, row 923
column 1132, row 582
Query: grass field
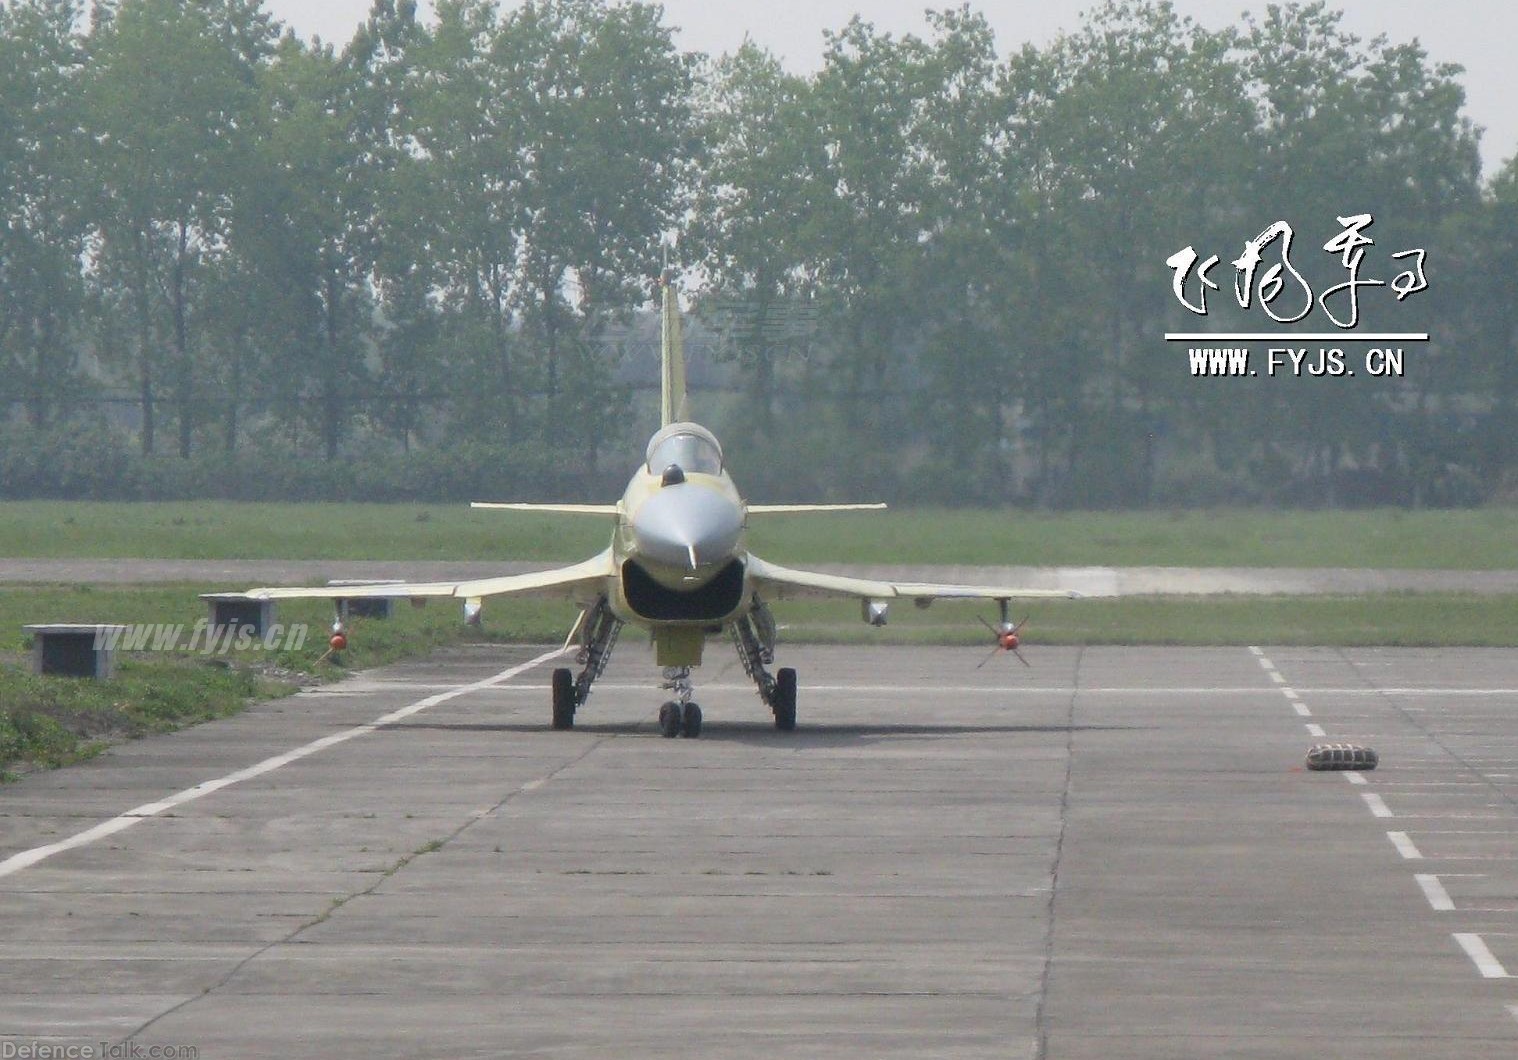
column 1477, row 539
column 51, row 721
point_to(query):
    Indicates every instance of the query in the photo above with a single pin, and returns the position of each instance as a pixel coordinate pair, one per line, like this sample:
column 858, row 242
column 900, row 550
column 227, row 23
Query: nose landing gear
column 679, row 716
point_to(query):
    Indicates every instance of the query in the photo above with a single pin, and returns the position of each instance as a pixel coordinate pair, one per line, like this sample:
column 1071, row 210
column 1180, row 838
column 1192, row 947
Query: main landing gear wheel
column 597, row 629
column 691, row 724
column 784, row 699
column 563, row 699
column 670, row 721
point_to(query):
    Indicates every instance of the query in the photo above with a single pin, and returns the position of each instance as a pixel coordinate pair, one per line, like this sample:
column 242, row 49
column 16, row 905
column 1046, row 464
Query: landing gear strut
column 598, row 629
column 754, row 636
column 679, row 716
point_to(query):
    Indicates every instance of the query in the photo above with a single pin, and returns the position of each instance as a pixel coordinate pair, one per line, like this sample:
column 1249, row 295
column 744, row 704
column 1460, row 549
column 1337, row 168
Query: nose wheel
column 679, row 716
column 676, row 720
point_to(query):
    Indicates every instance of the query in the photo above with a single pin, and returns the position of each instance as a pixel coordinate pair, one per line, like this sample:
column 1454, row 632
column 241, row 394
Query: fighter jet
column 677, row 565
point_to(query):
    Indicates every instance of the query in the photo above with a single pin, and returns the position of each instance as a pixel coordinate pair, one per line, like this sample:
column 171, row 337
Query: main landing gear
column 598, row 629
column 754, row 636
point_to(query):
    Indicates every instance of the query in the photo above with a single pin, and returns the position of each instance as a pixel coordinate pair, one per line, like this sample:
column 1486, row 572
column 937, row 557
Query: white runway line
column 1476, row 949
column 1356, row 778
column 1377, row 804
column 27, row 858
column 1275, row 675
column 1316, row 730
column 1434, row 891
column 1019, row 690
column 1405, row 846
column 1301, row 709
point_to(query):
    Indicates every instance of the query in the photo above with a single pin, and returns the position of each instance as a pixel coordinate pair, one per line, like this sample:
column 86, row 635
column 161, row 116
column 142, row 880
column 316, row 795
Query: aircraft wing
column 785, row 582
column 777, row 509
column 582, row 579
column 562, row 509
column 930, row 591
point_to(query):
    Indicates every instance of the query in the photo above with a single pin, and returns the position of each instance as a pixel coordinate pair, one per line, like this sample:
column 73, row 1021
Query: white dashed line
column 1434, row 891
column 1476, row 949
column 1377, row 804
column 1433, row 888
column 27, row 858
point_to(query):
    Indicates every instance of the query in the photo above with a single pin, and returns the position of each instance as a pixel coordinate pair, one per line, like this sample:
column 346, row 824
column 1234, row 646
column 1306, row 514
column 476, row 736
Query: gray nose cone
column 687, row 526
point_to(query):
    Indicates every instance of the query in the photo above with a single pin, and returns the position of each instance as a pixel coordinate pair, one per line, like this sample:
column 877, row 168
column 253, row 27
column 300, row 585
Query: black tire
column 670, row 722
column 563, row 699
column 691, row 724
column 785, row 699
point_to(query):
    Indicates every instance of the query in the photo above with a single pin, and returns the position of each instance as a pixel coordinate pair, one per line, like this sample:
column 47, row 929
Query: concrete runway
column 1112, row 854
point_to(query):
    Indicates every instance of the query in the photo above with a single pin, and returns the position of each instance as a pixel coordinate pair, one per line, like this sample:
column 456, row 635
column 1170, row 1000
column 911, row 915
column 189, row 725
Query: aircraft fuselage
column 679, row 545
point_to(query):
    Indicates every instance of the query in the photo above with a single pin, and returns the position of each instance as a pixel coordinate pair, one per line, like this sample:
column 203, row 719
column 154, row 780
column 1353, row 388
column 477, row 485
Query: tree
column 606, row 142
column 1491, row 312
column 1360, row 128
column 41, row 230
column 169, row 87
column 1139, row 115
column 449, row 211
column 759, row 202
column 304, row 224
column 968, row 279
column 867, row 101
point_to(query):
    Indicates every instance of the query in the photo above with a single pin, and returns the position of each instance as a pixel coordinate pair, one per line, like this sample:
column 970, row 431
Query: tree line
column 237, row 263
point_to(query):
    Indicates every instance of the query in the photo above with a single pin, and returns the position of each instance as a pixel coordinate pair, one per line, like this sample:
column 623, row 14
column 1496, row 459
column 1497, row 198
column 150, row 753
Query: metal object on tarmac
column 1325, row 756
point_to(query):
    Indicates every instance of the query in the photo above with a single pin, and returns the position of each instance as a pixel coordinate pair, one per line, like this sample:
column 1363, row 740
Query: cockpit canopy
column 689, row 445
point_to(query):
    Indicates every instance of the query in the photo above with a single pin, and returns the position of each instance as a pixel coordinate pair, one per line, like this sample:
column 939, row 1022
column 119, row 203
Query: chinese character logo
column 1280, row 289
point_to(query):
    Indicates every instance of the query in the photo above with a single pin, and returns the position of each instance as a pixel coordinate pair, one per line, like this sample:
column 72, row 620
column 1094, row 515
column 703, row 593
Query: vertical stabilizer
column 672, row 407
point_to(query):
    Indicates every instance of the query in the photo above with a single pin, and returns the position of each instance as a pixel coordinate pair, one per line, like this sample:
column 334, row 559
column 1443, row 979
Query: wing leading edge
column 581, row 579
column 785, row 581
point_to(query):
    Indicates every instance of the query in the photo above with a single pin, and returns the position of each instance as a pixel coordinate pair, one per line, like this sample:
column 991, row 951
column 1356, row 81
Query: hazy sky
column 1481, row 35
